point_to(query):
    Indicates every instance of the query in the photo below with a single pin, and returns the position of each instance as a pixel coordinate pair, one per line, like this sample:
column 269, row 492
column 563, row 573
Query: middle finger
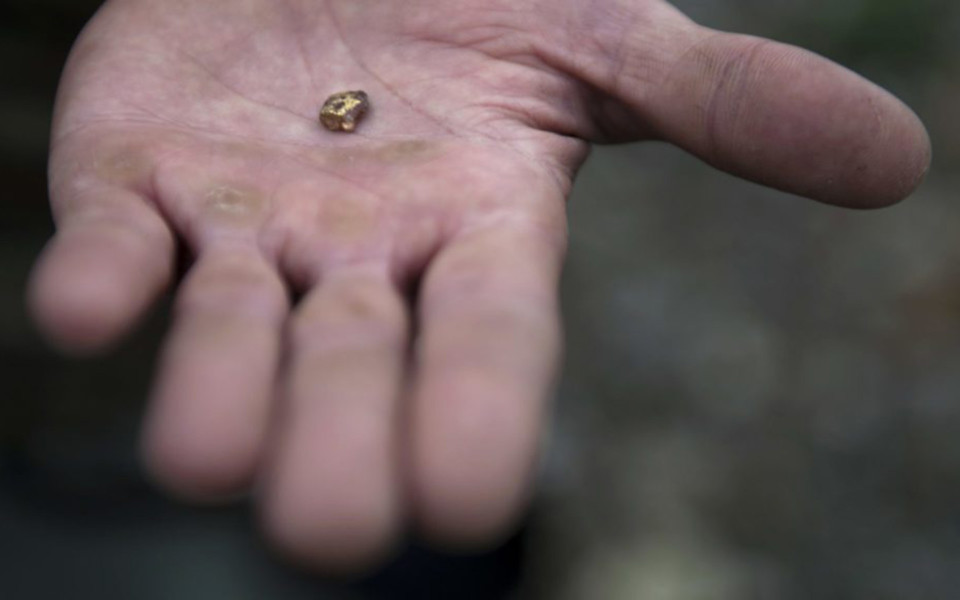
column 333, row 493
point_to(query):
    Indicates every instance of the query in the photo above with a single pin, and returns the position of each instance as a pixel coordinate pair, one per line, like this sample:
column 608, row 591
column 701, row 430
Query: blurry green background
column 761, row 397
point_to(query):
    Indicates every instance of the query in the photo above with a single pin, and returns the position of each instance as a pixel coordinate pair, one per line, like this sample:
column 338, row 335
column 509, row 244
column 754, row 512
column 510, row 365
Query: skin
column 369, row 328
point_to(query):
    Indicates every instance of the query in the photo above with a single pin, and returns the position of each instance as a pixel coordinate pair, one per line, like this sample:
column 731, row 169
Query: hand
column 295, row 360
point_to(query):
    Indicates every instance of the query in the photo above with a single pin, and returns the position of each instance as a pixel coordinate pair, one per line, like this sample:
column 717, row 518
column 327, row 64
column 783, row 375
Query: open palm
column 295, row 360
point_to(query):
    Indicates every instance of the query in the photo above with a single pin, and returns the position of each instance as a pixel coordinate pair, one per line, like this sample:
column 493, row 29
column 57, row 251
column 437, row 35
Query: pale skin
column 299, row 363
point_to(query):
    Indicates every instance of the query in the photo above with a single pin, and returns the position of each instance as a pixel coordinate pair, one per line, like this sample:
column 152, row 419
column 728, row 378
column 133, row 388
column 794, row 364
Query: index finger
column 487, row 351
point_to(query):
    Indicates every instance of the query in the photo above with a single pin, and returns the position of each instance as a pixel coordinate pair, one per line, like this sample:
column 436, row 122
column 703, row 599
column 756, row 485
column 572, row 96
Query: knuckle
column 232, row 286
column 518, row 263
column 734, row 66
column 504, row 339
column 353, row 306
column 367, row 301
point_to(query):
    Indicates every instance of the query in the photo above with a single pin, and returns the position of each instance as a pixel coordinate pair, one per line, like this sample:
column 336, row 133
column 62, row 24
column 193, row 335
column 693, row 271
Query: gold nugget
column 342, row 111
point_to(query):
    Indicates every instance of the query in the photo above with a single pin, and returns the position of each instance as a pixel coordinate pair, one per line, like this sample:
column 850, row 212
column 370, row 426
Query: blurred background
column 761, row 397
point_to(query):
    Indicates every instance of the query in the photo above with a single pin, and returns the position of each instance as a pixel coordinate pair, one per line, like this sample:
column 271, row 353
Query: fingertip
column 337, row 514
column 345, row 540
column 198, row 469
column 448, row 515
column 830, row 135
column 79, row 310
column 792, row 120
column 919, row 159
column 96, row 278
column 471, row 461
column 894, row 162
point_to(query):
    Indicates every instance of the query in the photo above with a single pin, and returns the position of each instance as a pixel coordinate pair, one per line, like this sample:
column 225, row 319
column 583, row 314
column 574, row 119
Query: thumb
column 774, row 114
